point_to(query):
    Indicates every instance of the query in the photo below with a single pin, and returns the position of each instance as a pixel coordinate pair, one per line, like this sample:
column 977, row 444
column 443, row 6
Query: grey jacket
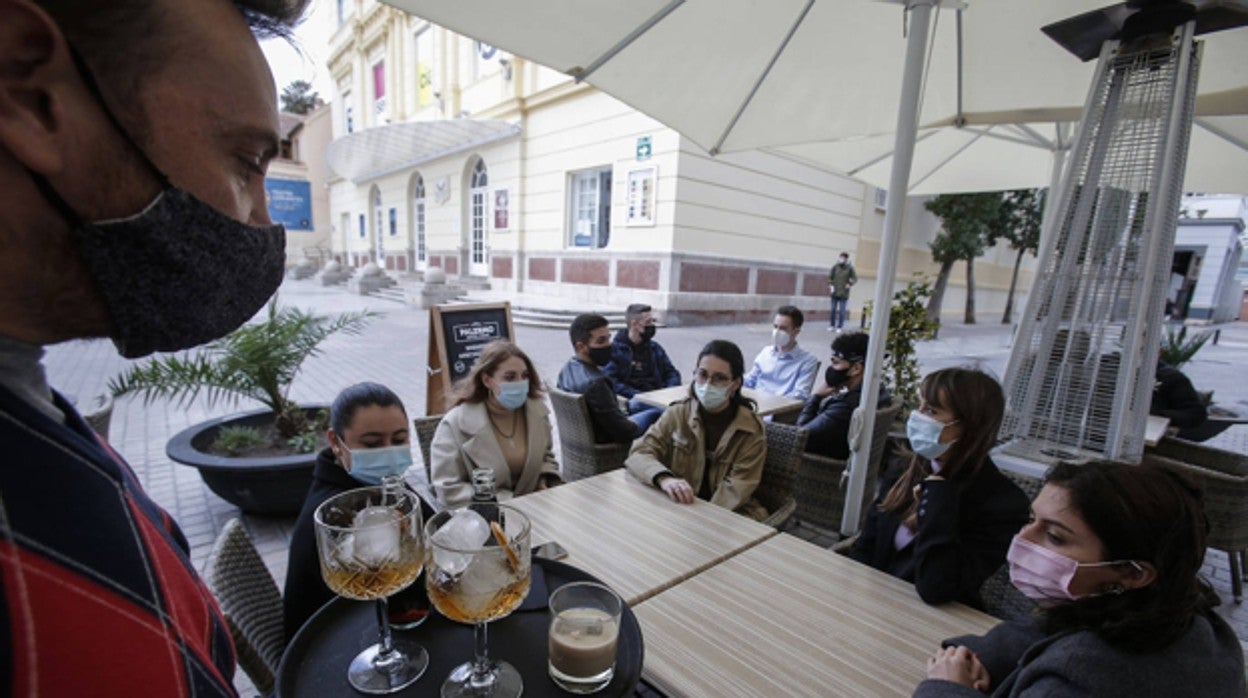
column 1021, row 661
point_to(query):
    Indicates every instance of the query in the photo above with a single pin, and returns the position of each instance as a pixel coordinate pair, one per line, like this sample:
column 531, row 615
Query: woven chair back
column 425, row 428
column 785, row 444
column 581, row 455
column 251, row 602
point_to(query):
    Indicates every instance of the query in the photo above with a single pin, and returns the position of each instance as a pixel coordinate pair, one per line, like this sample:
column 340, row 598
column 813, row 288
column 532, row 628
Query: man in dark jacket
column 591, row 340
column 639, row 364
column 827, row 412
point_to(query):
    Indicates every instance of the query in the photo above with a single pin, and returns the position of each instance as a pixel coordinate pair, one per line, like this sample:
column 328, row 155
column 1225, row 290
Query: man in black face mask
column 134, row 137
column 591, row 340
column 827, row 412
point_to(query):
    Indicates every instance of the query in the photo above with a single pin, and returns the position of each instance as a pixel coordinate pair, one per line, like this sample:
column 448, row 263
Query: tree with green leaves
column 299, row 98
column 1019, row 225
column 908, row 324
column 966, row 220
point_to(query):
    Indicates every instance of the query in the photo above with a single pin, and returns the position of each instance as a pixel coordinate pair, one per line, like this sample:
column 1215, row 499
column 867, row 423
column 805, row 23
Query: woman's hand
column 677, row 489
column 959, row 665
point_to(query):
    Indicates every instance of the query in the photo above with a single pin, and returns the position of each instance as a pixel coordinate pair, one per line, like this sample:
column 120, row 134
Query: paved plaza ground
column 392, row 350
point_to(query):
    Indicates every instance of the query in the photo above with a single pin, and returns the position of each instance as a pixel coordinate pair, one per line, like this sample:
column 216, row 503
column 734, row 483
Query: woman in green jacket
column 710, row 445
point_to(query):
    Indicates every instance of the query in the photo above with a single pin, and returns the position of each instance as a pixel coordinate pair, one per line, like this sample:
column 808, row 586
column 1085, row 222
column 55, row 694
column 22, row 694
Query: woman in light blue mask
column 944, row 520
column 498, row 421
column 711, row 445
column 368, row 440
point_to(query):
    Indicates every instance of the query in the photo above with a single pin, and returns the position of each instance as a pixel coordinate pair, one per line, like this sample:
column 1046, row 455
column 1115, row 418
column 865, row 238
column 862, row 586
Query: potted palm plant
column 260, row 460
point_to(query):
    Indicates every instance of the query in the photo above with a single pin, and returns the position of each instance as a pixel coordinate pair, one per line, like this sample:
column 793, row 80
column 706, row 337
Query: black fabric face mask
column 601, row 356
column 178, row 273
column 647, row 332
column 836, row 378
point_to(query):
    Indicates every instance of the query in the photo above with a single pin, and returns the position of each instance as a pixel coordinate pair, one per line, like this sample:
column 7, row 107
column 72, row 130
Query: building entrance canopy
column 382, row 150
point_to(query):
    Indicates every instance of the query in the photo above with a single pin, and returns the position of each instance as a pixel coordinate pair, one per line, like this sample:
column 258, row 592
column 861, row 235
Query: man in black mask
column 827, row 412
column 591, row 340
column 134, row 138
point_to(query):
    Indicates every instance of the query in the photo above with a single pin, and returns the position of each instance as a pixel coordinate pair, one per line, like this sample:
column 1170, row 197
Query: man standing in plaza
column 639, row 364
column 591, row 340
column 134, row 139
column 840, row 278
column 783, row 368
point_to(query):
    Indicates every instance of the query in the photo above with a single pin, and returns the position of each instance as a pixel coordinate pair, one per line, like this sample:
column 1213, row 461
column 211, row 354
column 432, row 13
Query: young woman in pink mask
column 1112, row 554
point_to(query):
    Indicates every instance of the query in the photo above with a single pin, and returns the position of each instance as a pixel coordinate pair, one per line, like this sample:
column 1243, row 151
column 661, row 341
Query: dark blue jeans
column 642, row 414
column 839, row 313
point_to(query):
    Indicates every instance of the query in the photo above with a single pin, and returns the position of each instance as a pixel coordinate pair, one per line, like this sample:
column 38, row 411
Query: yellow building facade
column 449, row 153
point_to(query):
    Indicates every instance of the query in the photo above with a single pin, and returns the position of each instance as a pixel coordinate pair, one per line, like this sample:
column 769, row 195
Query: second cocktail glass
column 479, row 569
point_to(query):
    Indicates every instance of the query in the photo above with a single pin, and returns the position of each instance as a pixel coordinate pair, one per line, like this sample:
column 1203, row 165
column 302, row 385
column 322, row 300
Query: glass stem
column 386, row 649
column 481, row 666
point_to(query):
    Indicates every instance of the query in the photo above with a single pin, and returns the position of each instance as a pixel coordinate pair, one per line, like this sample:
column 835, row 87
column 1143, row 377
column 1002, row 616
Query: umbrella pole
column 894, row 213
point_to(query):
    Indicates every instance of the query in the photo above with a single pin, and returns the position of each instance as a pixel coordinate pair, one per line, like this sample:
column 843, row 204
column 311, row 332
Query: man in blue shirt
column 784, row 368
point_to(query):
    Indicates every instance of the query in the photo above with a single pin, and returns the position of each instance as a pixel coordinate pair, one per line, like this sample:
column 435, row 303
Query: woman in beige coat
column 715, row 419
column 499, row 422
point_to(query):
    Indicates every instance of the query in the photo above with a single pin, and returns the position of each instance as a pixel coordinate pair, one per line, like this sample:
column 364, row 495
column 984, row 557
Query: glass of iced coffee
column 584, row 630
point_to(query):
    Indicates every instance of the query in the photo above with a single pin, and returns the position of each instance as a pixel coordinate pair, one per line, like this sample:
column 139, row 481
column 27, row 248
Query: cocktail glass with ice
column 371, row 545
column 478, row 570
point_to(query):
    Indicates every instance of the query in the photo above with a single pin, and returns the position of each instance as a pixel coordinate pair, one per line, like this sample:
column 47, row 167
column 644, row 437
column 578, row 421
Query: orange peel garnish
column 501, row 536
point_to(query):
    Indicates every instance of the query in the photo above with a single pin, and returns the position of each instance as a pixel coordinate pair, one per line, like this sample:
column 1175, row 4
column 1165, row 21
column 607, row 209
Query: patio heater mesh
column 1080, row 376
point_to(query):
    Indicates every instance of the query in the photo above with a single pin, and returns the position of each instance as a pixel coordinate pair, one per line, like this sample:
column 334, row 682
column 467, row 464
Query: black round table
column 315, row 663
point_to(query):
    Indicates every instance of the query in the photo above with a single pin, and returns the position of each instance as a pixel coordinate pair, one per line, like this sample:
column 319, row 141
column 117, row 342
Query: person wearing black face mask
column 639, row 364
column 134, row 137
column 591, row 340
column 827, row 412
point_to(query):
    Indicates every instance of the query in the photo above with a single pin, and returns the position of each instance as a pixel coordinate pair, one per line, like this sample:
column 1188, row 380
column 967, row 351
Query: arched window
column 478, row 195
column 418, row 207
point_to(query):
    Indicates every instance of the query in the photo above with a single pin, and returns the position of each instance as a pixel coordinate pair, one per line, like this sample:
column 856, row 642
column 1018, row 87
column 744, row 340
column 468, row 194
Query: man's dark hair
column 792, row 313
column 852, row 346
column 123, row 41
column 635, row 311
column 582, row 325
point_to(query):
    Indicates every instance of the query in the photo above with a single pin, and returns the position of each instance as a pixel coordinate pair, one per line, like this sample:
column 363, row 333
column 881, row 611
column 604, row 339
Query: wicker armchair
column 251, row 602
column 785, row 444
column 820, row 483
column 1224, row 479
column 582, row 456
column 425, row 427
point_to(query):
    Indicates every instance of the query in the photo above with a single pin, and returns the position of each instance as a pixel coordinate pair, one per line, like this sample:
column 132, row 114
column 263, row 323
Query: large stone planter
column 273, row 486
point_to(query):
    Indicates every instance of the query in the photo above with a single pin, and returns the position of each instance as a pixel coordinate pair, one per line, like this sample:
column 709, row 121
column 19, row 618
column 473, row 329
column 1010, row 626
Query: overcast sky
column 305, row 60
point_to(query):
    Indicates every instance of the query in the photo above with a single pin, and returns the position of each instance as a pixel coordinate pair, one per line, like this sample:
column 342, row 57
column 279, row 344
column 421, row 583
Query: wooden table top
column 788, row 618
column 633, row 537
column 767, row 403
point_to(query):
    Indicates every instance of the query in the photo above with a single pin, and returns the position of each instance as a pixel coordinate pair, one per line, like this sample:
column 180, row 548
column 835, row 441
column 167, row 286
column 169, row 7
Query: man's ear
column 35, row 72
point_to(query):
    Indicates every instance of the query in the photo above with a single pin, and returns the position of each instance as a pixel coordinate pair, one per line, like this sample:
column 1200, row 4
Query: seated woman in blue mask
column 1112, row 554
column 368, row 440
column 944, row 521
column 498, row 421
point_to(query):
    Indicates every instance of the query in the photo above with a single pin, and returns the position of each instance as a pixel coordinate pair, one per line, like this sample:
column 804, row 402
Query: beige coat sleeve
column 652, row 453
column 451, row 474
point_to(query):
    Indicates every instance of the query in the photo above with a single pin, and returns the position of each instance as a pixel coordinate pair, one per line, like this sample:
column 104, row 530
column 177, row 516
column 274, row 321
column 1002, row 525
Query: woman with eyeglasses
column 1112, row 554
column 710, row 445
column 944, row 521
column 498, row 421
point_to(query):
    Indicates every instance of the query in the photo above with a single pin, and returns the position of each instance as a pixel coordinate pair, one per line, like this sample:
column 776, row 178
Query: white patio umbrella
column 995, row 157
column 740, row 74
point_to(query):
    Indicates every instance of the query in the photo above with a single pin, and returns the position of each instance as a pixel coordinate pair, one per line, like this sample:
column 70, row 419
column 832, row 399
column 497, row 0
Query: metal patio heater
column 1080, row 376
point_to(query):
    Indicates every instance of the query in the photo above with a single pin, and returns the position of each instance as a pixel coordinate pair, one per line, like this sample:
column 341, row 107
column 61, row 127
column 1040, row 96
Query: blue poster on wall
column 290, row 203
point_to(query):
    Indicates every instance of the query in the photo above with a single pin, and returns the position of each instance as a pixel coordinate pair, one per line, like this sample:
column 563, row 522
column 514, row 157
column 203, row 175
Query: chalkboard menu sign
column 457, row 335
